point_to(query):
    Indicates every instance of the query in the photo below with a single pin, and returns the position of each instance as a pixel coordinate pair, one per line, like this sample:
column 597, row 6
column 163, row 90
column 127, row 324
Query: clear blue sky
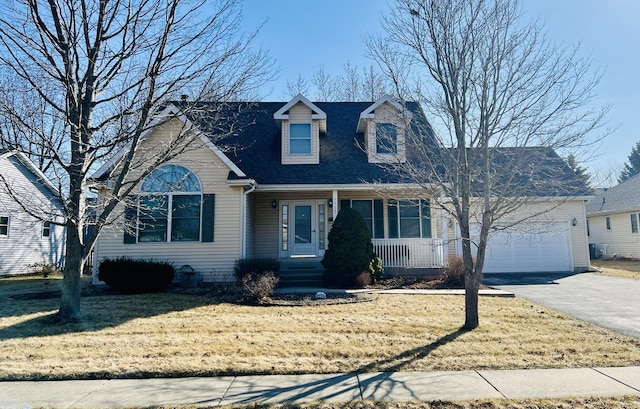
column 328, row 33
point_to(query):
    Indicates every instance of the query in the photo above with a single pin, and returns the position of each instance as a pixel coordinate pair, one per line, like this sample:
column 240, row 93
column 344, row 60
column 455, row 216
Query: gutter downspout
column 244, row 226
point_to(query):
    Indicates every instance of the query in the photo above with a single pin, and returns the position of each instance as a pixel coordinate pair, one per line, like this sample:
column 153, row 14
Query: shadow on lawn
column 99, row 312
column 360, row 384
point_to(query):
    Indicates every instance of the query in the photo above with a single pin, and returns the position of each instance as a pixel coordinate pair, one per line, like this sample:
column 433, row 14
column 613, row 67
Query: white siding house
column 29, row 210
column 614, row 219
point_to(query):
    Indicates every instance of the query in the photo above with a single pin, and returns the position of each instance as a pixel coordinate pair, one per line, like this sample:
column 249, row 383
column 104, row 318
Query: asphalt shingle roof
column 255, row 148
column 620, row 198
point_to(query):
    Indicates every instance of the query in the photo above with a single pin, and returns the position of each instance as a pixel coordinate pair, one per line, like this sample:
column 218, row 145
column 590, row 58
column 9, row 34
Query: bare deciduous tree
column 351, row 85
column 493, row 86
column 98, row 71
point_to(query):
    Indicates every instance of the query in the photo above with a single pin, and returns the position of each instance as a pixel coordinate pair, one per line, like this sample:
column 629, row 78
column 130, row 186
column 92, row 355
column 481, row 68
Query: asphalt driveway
column 610, row 302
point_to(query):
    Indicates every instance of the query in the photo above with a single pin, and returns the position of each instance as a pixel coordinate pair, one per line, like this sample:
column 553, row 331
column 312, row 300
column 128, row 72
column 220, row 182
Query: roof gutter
column 249, row 186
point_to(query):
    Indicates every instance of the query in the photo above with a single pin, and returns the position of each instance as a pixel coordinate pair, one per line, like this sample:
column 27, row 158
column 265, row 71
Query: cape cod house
column 28, row 209
column 281, row 180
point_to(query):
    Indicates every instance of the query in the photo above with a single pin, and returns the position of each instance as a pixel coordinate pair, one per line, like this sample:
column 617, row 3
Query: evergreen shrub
column 136, row 276
column 350, row 251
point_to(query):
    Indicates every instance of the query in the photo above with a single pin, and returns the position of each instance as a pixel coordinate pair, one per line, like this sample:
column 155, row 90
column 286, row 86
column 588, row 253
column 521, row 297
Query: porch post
column 445, row 234
column 334, row 198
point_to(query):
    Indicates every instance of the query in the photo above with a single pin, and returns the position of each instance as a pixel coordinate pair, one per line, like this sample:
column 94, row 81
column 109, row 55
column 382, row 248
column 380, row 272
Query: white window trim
column 383, row 154
column 310, row 139
column 4, row 236
column 170, row 196
column 46, row 226
column 637, row 215
column 396, row 208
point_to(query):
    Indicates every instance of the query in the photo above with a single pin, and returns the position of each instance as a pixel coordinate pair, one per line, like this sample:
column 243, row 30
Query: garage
column 531, row 247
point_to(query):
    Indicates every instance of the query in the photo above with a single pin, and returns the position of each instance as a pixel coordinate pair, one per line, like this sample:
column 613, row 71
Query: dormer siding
column 396, row 150
column 300, row 114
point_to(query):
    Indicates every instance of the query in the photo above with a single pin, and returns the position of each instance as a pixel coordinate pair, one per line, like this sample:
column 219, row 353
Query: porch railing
column 410, row 253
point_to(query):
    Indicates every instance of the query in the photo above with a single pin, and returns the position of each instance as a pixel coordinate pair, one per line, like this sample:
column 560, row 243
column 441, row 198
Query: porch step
column 301, row 273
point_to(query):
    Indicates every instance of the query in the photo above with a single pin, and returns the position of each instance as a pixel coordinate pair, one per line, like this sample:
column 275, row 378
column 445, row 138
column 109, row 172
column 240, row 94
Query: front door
column 303, row 237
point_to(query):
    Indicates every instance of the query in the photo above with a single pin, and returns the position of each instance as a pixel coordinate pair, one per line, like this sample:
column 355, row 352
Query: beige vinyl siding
column 301, row 114
column 619, row 241
column 385, row 113
column 212, row 260
column 267, row 229
column 24, row 245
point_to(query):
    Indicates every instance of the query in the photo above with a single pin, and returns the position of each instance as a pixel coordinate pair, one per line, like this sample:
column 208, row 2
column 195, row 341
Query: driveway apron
column 609, row 302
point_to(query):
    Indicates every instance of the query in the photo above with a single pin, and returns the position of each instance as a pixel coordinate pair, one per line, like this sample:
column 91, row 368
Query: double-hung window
column 300, row 139
column 634, row 222
column 46, row 229
column 170, row 206
column 4, row 226
column 386, row 138
column 409, row 218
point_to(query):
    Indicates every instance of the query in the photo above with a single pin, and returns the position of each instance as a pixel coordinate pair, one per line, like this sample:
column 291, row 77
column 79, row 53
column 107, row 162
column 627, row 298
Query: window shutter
column 378, row 219
column 208, row 217
column 131, row 220
column 345, row 203
column 393, row 219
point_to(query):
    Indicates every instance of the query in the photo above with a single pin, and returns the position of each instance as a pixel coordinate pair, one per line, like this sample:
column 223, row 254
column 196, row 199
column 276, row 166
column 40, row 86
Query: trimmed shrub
column 260, row 286
column 136, row 276
column 350, row 250
column 252, row 266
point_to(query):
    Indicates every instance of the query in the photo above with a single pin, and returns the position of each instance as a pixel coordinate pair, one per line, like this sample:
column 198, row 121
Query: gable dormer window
column 301, row 123
column 384, row 124
column 386, row 138
column 300, row 139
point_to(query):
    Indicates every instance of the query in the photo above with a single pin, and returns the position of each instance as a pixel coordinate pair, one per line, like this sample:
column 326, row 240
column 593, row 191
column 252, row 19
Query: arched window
column 170, row 206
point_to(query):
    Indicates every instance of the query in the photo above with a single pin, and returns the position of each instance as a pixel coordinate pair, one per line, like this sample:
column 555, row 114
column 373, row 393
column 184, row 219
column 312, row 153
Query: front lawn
column 171, row 334
column 619, row 268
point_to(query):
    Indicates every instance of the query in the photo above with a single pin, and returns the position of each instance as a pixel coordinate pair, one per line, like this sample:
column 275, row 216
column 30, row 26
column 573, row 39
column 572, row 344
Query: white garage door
column 533, row 247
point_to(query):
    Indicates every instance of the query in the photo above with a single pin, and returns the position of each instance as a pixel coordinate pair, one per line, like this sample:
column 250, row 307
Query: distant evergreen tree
column 580, row 171
column 632, row 166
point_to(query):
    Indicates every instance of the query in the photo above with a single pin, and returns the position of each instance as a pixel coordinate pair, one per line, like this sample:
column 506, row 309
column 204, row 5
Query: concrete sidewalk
column 380, row 386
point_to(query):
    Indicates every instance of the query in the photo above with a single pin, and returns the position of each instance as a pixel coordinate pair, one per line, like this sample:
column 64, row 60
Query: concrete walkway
column 392, row 386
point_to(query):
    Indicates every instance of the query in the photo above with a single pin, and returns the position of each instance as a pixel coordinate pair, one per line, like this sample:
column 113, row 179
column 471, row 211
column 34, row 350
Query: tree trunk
column 471, row 286
column 71, row 285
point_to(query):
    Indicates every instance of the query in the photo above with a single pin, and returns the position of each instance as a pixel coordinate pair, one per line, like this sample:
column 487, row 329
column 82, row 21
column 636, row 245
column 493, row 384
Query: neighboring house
column 280, row 182
column 28, row 235
column 613, row 218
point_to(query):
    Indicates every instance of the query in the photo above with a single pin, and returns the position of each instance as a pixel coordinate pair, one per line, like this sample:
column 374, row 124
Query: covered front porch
column 294, row 225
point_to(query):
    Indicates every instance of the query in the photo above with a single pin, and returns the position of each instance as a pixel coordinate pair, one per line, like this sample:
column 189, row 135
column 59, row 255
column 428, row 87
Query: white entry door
column 303, row 226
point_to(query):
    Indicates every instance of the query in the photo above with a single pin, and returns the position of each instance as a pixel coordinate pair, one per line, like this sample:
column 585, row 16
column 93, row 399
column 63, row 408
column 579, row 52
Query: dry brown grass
column 619, row 268
column 168, row 334
column 626, row 402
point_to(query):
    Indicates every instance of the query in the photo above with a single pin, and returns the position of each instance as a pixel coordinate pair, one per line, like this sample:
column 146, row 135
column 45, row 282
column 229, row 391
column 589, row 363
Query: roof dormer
column 384, row 126
column 301, row 122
